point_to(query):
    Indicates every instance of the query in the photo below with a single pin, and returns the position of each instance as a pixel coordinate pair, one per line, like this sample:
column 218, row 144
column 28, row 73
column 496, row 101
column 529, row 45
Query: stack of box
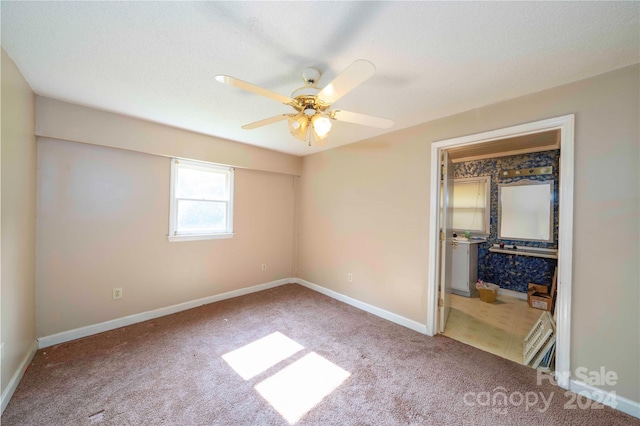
column 538, row 295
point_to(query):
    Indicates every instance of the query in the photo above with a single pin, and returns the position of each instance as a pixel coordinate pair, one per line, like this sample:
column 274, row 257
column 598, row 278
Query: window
column 471, row 207
column 201, row 201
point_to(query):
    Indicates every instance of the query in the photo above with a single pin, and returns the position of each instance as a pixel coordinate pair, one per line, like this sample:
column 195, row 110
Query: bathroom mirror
column 525, row 210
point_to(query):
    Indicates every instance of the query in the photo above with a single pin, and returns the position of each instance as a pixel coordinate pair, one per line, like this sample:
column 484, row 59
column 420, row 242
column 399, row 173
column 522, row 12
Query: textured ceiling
column 157, row 60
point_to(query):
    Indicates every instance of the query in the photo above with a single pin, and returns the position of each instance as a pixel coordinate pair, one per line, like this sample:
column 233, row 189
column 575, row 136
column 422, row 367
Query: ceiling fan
column 311, row 121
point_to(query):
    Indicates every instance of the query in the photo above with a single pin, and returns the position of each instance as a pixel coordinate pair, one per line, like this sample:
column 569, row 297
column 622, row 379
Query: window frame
column 174, row 235
column 487, row 206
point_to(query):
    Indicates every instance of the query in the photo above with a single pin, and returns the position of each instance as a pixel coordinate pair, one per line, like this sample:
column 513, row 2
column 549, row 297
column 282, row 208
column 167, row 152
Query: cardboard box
column 538, row 297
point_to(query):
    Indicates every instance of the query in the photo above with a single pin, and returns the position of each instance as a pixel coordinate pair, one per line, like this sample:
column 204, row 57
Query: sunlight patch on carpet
column 262, row 354
column 296, row 389
column 97, row 417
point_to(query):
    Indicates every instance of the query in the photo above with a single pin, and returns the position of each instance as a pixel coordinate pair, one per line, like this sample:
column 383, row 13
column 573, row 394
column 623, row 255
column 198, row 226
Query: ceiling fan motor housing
column 310, row 76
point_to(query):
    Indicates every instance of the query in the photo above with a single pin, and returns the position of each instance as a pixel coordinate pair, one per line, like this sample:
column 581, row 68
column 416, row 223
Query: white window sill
column 195, row 237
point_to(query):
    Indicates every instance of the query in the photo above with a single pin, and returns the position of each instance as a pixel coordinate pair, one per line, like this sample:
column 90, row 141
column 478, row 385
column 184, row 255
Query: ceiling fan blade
column 232, row 81
column 347, row 80
column 367, row 120
column 266, row 121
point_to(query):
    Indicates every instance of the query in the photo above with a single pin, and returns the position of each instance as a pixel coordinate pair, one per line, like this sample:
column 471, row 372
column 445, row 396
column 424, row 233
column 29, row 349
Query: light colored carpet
column 282, row 356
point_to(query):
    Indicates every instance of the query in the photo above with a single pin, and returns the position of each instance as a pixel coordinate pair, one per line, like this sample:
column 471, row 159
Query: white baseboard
column 607, row 398
column 390, row 316
column 17, row 376
column 89, row 330
column 517, row 294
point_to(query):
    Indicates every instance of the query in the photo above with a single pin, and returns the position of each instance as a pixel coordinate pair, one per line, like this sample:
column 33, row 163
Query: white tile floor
column 497, row 327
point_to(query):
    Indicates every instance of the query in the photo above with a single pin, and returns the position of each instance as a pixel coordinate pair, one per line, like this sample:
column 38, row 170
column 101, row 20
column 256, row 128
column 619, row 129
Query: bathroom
column 484, row 204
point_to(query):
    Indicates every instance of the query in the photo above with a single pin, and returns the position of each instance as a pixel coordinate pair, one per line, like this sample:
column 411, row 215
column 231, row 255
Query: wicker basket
column 488, row 292
column 487, row 295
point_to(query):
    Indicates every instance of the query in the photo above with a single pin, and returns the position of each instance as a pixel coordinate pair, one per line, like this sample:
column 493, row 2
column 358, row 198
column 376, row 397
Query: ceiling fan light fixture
column 321, row 126
column 313, row 118
column 298, row 126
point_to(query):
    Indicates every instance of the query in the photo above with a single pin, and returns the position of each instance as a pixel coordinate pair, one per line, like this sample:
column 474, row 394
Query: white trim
column 610, row 399
column 511, row 293
column 565, row 237
column 174, row 235
column 90, row 330
column 17, row 376
column 434, row 247
column 565, row 250
column 187, row 237
column 390, row 316
column 172, row 198
column 232, row 193
column 509, row 132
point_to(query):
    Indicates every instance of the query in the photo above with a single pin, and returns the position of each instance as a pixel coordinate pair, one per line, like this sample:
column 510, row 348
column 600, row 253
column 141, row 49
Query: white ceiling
column 157, row 60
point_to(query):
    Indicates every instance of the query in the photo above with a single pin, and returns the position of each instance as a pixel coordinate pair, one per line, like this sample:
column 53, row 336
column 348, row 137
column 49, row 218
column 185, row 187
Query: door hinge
column 443, row 171
column 441, row 235
column 440, row 303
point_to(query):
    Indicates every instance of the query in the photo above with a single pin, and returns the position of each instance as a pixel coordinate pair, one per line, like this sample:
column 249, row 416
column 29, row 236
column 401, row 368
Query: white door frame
column 565, row 227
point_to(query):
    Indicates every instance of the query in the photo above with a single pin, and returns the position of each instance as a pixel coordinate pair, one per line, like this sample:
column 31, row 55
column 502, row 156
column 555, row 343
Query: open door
column 446, row 241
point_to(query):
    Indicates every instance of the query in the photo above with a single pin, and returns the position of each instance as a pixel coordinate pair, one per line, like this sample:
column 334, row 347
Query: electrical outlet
column 264, row 266
column 117, row 293
column 349, row 277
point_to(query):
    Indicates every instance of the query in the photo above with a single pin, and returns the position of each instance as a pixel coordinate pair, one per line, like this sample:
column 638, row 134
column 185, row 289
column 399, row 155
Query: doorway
column 565, row 237
column 505, row 192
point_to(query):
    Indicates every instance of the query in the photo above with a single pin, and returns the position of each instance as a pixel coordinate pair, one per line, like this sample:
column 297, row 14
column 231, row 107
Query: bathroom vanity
column 465, row 266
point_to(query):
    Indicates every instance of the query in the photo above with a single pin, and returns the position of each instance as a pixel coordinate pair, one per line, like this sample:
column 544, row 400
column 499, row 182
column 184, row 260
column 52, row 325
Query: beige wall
column 18, row 228
column 364, row 210
column 61, row 120
column 102, row 223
